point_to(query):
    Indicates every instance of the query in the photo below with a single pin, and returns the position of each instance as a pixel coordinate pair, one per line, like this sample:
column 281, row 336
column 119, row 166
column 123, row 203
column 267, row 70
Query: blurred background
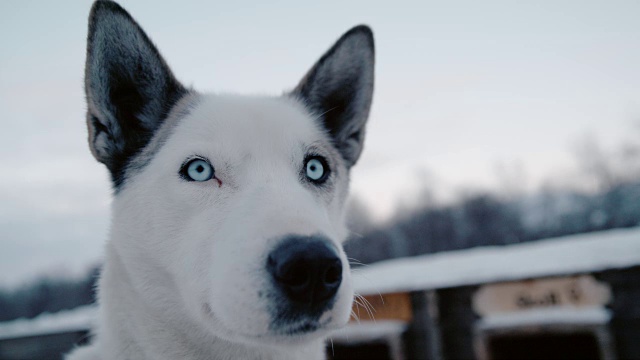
column 494, row 123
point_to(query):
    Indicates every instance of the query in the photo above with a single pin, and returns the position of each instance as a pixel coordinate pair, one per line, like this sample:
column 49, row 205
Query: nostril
column 333, row 274
column 294, row 275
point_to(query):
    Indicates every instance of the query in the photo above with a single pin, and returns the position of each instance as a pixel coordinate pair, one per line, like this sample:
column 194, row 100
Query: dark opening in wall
column 365, row 351
column 582, row 346
column 46, row 346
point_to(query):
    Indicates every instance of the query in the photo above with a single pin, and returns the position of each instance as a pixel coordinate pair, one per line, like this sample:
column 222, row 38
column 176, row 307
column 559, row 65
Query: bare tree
column 595, row 163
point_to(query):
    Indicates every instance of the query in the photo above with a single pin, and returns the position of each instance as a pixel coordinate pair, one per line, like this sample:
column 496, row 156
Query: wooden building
column 575, row 297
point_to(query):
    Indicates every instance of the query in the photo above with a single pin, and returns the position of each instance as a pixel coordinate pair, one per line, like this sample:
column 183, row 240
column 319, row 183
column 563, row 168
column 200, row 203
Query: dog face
column 229, row 208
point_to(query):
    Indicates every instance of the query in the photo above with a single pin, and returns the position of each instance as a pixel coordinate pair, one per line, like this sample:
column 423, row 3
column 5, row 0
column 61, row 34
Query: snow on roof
column 547, row 316
column 566, row 255
column 78, row 319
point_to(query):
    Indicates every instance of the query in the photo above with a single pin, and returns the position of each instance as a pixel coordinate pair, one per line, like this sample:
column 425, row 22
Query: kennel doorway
column 573, row 346
column 546, row 334
column 545, row 318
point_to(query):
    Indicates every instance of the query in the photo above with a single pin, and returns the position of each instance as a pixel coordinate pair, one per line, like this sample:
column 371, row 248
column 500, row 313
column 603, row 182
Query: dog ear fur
column 129, row 87
column 339, row 88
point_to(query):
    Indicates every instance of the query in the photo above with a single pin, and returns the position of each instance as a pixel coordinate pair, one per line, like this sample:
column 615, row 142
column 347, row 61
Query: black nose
column 306, row 268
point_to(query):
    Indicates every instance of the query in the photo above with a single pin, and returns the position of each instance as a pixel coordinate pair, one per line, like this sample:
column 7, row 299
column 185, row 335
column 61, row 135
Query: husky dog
column 227, row 230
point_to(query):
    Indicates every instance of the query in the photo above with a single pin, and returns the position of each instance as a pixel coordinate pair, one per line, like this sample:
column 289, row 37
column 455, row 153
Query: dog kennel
column 575, row 297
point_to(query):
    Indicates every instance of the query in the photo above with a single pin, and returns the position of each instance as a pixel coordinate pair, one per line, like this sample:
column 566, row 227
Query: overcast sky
column 461, row 86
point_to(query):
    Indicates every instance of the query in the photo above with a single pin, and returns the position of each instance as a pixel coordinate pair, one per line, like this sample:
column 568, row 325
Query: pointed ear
column 129, row 87
column 338, row 89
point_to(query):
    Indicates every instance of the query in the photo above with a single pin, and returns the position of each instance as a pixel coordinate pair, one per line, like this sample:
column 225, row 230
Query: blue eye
column 197, row 170
column 316, row 169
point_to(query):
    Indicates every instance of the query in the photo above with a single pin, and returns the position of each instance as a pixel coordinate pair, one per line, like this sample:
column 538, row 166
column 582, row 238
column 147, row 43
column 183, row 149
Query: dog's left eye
column 316, row 169
column 197, row 170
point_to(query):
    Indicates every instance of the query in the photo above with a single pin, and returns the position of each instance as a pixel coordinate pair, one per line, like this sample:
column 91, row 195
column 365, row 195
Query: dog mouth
column 303, row 327
column 285, row 328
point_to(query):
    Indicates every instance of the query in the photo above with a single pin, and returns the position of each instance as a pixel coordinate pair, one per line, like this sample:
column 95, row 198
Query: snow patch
column 554, row 316
column 79, row 319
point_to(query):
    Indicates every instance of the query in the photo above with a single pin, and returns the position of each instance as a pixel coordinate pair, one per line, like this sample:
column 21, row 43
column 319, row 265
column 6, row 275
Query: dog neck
column 132, row 329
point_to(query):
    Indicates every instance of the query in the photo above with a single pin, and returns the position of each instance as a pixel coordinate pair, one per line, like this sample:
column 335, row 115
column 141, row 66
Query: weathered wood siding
column 625, row 305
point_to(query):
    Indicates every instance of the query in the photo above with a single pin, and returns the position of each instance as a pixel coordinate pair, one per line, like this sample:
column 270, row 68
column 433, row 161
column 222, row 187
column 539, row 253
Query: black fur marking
column 98, row 126
column 130, row 88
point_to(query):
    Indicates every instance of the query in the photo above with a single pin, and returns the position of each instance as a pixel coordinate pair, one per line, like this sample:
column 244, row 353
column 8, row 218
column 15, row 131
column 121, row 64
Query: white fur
column 185, row 261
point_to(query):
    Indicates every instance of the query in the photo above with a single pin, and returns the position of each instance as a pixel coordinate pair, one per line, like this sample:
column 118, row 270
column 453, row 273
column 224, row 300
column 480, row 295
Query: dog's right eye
column 197, row 170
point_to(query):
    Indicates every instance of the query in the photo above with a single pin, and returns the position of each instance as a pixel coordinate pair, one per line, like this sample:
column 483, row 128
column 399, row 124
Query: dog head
column 229, row 208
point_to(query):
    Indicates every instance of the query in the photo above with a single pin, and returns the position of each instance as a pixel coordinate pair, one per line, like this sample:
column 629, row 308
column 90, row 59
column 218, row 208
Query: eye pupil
column 200, row 168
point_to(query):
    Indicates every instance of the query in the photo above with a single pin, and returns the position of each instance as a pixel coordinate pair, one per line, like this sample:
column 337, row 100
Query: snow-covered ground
column 78, row 319
column 566, row 255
